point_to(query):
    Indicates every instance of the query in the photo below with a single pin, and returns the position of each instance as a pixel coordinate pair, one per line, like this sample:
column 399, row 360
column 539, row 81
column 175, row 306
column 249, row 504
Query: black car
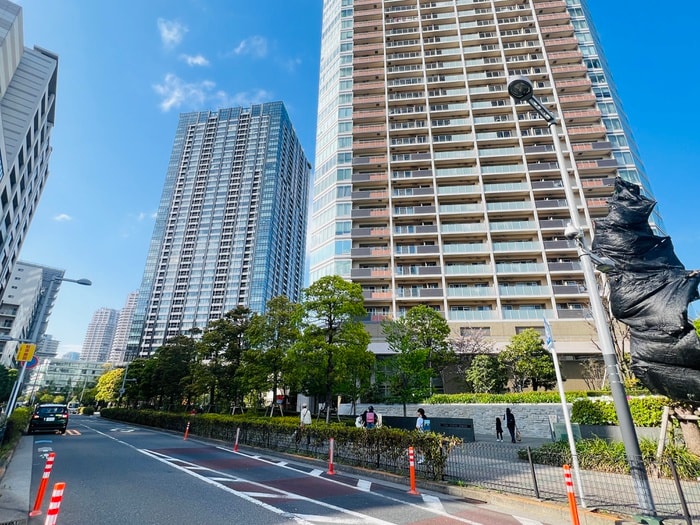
column 49, row 417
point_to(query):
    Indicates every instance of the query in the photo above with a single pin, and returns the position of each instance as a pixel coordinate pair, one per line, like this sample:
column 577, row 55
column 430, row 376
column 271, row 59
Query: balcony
column 369, row 233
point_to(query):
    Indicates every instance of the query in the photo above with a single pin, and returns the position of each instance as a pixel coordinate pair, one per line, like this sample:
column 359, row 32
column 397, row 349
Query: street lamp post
column 521, row 89
column 44, row 299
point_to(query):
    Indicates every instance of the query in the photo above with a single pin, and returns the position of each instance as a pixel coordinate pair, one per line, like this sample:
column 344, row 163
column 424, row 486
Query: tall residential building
column 231, row 225
column 99, row 335
column 25, row 308
column 27, row 111
column 432, row 187
column 121, row 334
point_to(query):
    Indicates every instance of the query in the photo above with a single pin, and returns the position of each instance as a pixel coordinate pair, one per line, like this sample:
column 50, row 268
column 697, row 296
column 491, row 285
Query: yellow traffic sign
column 25, row 351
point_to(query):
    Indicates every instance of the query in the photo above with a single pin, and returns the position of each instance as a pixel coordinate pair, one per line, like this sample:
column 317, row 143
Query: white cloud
column 194, row 60
column 255, row 46
column 175, row 92
column 291, row 64
column 200, row 96
column 171, row 32
column 243, row 98
column 63, row 217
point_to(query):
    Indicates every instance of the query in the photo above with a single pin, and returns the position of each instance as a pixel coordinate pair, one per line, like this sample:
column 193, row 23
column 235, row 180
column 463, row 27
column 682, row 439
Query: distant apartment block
column 121, row 334
column 231, row 225
column 25, row 308
column 100, row 335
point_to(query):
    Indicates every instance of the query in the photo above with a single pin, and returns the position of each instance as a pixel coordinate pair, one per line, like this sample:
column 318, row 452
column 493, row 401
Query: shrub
column 87, row 411
column 512, row 398
column 598, row 454
column 646, row 411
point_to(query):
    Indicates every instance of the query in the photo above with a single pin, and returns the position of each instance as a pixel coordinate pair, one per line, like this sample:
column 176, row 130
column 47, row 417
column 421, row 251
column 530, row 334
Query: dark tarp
column 650, row 291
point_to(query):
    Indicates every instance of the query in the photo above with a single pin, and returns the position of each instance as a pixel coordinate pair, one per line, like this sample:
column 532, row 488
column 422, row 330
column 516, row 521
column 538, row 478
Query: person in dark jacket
column 510, row 424
column 499, row 429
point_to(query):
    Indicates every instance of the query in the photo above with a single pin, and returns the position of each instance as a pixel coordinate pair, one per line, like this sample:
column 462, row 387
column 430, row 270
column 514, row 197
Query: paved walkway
column 15, row 484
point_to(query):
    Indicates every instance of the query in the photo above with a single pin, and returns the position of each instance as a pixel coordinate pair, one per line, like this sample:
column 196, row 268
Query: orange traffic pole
column 412, row 470
column 42, row 486
column 55, row 504
column 331, row 445
column 235, row 445
column 572, row 496
column 187, row 431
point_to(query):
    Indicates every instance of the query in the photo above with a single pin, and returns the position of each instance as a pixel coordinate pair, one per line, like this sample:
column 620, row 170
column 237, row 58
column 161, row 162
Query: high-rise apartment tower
column 432, row 187
column 99, row 335
column 27, row 109
column 231, row 226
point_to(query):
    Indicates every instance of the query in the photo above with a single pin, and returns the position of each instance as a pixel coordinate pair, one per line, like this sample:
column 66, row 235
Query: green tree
column 333, row 337
column 405, row 373
column 108, row 385
column 420, row 340
column 527, row 362
column 270, row 337
column 5, row 384
column 486, row 374
column 170, row 372
column 220, row 353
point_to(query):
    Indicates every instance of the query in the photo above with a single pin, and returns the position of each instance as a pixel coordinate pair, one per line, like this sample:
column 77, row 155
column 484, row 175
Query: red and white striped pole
column 55, row 504
column 572, row 497
column 331, row 446
column 235, row 445
column 42, row 486
column 187, row 431
column 412, row 470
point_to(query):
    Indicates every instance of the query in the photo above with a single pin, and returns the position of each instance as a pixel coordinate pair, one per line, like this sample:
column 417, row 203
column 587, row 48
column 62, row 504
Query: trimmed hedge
column 510, row 399
column 646, row 411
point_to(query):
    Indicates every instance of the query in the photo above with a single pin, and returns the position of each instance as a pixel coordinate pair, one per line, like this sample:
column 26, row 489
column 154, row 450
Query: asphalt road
column 120, row 474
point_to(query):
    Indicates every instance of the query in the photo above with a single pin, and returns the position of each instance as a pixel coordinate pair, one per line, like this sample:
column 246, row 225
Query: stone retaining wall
column 531, row 419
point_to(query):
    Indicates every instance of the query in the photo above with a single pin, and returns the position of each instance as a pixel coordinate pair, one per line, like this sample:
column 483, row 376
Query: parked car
column 49, row 417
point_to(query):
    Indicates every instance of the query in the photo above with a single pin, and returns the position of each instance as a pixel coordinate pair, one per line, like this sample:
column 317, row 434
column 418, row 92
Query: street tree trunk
column 689, row 426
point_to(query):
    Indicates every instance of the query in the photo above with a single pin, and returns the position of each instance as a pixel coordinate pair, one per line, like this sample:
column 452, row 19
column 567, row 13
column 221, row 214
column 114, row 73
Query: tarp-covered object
column 650, row 290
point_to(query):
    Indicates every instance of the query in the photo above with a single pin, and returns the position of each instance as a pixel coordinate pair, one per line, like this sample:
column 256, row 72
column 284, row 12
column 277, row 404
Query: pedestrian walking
column 499, row 429
column 510, row 424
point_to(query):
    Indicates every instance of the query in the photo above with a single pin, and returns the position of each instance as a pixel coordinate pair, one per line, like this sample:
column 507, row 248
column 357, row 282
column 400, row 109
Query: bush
column 646, row 411
column 510, row 399
column 598, row 454
column 87, row 411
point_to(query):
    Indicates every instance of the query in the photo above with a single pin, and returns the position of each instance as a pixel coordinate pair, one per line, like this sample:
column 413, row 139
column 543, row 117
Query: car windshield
column 47, row 411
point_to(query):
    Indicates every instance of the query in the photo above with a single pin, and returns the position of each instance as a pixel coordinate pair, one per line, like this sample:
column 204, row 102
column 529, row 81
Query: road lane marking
column 358, row 487
column 163, row 458
column 433, row 502
column 316, row 472
column 72, row 432
column 364, row 485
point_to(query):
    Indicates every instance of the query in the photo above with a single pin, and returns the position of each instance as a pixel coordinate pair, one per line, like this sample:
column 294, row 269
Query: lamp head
column 84, row 282
column 520, row 88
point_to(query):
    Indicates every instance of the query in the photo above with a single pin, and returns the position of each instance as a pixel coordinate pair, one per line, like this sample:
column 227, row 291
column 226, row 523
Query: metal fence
column 499, row 467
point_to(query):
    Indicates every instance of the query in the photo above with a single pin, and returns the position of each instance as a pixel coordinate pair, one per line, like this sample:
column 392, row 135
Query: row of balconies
column 580, row 312
column 480, row 292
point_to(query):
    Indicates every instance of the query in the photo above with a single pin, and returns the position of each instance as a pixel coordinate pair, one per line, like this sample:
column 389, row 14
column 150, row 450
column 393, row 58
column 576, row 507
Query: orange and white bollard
column 55, row 504
column 412, row 470
column 572, row 497
column 331, row 446
column 36, row 511
column 187, row 431
column 235, row 445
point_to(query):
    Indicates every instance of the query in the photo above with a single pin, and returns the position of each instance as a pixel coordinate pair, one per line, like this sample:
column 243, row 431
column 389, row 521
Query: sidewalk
column 15, row 485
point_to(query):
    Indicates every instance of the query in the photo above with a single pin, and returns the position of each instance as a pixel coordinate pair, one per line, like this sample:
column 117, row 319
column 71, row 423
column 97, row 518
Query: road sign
column 33, row 362
column 25, row 351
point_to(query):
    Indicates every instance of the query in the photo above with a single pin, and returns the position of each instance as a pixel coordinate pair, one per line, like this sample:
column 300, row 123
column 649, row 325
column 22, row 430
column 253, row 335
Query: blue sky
column 127, row 69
